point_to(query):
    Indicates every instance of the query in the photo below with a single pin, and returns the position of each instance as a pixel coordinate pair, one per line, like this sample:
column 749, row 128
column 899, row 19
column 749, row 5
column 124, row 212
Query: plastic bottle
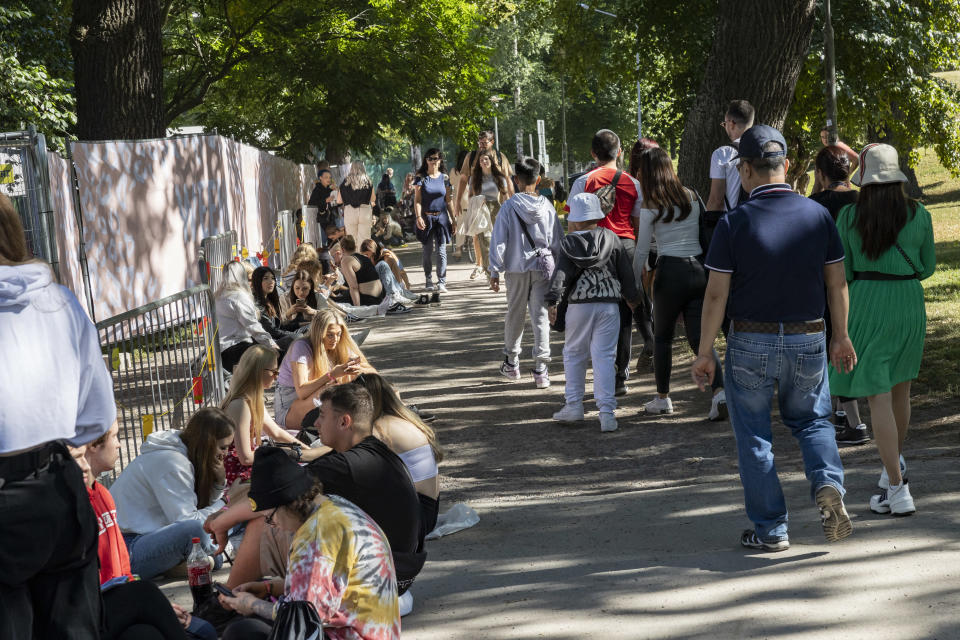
column 198, row 573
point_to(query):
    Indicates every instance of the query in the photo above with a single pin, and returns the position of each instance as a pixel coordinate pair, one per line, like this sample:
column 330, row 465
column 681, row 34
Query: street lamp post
column 831, row 73
column 496, row 126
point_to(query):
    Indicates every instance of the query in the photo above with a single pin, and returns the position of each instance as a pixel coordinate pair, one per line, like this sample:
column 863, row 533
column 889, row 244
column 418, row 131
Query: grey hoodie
column 510, row 251
column 595, row 264
column 156, row 488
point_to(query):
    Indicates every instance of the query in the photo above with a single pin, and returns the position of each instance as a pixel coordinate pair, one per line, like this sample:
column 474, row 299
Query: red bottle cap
column 194, row 540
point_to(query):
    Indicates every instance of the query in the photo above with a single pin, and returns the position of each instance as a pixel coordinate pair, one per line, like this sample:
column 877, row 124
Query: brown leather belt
column 789, row 328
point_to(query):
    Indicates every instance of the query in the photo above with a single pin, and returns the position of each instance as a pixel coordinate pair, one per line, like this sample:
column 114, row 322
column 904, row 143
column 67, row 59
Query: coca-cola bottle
column 198, row 573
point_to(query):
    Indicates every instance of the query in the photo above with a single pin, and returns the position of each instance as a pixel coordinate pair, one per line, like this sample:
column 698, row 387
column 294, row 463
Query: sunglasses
column 433, row 158
column 269, row 519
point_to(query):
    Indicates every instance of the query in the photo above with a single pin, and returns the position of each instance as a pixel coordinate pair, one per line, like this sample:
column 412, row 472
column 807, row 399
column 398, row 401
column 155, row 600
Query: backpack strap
column 526, row 232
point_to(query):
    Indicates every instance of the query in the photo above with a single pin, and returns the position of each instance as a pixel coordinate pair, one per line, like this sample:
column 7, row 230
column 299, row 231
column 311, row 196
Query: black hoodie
column 595, row 264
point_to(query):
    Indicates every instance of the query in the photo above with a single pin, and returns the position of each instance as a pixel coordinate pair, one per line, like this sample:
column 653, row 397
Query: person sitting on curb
column 132, row 608
column 772, row 256
column 338, row 560
column 164, row 495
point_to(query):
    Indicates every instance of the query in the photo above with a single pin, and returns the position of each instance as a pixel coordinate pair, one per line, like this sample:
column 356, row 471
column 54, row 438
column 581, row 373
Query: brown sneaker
column 833, row 515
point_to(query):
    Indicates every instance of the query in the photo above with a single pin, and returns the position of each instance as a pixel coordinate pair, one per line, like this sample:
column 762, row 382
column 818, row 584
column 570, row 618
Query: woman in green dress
column 888, row 243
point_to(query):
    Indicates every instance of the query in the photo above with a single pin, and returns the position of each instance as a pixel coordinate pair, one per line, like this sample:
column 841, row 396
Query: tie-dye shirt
column 340, row 561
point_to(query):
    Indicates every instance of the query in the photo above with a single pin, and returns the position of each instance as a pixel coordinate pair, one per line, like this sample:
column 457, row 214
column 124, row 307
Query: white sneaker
column 384, row 305
column 510, row 370
column 406, row 603
column 541, row 378
column 659, row 405
column 569, row 413
column 607, row 422
column 884, row 482
column 718, row 407
column 895, row 500
column 442, row 288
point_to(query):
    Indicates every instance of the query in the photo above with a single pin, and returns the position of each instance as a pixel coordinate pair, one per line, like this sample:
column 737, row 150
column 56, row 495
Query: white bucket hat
column 879, row 164
column 584, row 207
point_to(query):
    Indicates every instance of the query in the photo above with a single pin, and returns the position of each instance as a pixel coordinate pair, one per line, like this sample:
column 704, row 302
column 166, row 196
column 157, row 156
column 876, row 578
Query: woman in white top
column 237, row 317
column 488, row 190
column 164, row 495
column 672, row 212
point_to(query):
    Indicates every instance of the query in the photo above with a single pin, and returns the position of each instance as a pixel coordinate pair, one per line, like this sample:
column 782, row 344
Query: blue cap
column 753, row 140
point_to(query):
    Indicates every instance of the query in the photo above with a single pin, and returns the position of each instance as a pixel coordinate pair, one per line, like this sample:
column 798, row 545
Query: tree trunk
column 118, row 69
column 758, row 51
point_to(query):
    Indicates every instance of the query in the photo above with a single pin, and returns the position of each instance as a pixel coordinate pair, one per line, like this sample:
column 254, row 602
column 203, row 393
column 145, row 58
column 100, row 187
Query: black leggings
column 678, row 288
column 139, row 611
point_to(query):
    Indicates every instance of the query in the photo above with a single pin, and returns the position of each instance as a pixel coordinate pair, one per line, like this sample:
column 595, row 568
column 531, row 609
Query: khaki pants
column 357, row 222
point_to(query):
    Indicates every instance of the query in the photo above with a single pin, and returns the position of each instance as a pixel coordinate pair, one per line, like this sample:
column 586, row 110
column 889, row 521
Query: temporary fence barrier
column 286, row 238
column 164, row 358
column 311, row 230
column 25, row 178
column 215, row 252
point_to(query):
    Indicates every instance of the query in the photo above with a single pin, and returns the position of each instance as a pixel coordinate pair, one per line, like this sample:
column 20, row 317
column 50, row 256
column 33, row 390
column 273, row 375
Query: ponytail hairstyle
column 205, row 429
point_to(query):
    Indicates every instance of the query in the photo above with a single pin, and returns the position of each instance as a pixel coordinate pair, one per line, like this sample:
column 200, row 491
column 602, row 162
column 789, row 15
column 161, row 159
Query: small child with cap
column 593, row 273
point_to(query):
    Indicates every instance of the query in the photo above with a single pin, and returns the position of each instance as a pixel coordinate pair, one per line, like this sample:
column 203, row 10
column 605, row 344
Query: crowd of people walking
column 328, row 498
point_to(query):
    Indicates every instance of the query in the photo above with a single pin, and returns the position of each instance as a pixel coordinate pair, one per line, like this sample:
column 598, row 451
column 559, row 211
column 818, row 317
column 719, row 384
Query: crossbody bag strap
column 905, row 257
column 526, row 232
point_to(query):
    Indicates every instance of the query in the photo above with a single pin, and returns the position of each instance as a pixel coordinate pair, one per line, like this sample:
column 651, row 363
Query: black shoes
column 849, row 435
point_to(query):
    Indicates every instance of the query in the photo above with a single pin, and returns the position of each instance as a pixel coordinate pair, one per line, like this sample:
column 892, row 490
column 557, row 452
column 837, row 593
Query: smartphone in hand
column 223, row 590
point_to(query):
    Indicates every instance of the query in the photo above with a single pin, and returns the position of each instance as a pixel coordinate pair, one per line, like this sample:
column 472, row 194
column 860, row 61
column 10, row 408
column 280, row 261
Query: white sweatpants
column 592, row 332
column 525, row 291
column 357, row 222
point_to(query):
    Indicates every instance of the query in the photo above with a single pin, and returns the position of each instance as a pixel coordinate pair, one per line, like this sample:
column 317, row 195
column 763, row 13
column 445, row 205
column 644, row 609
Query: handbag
column 297, row 620
column 545, row 262
column 708, row 224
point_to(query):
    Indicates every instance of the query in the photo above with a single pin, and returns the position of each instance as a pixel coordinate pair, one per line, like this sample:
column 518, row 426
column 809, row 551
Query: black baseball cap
column 275, row 479
column 755, row 138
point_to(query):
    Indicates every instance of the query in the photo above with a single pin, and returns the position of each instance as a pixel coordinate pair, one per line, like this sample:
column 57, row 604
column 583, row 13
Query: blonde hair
column 13, row 240
column 346, row 348
column 358, row 178
column 247, row 384
column 306, row 251
column 235, row 279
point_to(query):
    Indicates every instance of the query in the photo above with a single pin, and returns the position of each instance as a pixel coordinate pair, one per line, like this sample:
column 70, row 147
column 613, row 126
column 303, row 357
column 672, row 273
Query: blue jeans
column 389, row 281
column 797, row 364
column 154, row 553
column 435, row 242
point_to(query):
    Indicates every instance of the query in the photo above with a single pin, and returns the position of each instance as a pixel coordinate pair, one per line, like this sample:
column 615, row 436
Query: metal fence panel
column 311, row 230
column 287, row 237
column 215, row 252
column 164, row 358
column 24, row 177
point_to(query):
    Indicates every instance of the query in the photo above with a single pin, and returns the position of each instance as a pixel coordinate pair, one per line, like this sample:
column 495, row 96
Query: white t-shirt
column 724, row 167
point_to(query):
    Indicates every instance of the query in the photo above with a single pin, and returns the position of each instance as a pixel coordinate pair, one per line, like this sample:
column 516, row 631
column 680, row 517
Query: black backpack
column 607, row 194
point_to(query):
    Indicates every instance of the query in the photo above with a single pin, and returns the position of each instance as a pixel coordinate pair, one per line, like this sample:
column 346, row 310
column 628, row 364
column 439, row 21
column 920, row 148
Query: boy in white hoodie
column 526, row 226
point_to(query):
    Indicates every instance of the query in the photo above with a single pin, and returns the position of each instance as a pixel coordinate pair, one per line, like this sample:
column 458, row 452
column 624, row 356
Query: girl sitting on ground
column 270, row 307
column 305, row 251
column 301, row 302
column 327, row 356
column 239, row 324
column 165, row 493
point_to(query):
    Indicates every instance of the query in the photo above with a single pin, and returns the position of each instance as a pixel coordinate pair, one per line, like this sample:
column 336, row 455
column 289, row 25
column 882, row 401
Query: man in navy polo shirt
column 771, row 256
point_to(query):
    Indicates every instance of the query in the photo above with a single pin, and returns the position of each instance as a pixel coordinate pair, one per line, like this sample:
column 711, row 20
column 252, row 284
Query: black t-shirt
column 318, row 198
column 355, row 197
column 835, row 200
column 372, row 477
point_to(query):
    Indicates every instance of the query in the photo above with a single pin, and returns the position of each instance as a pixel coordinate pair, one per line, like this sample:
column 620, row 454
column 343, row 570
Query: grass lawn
column 940, row 374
